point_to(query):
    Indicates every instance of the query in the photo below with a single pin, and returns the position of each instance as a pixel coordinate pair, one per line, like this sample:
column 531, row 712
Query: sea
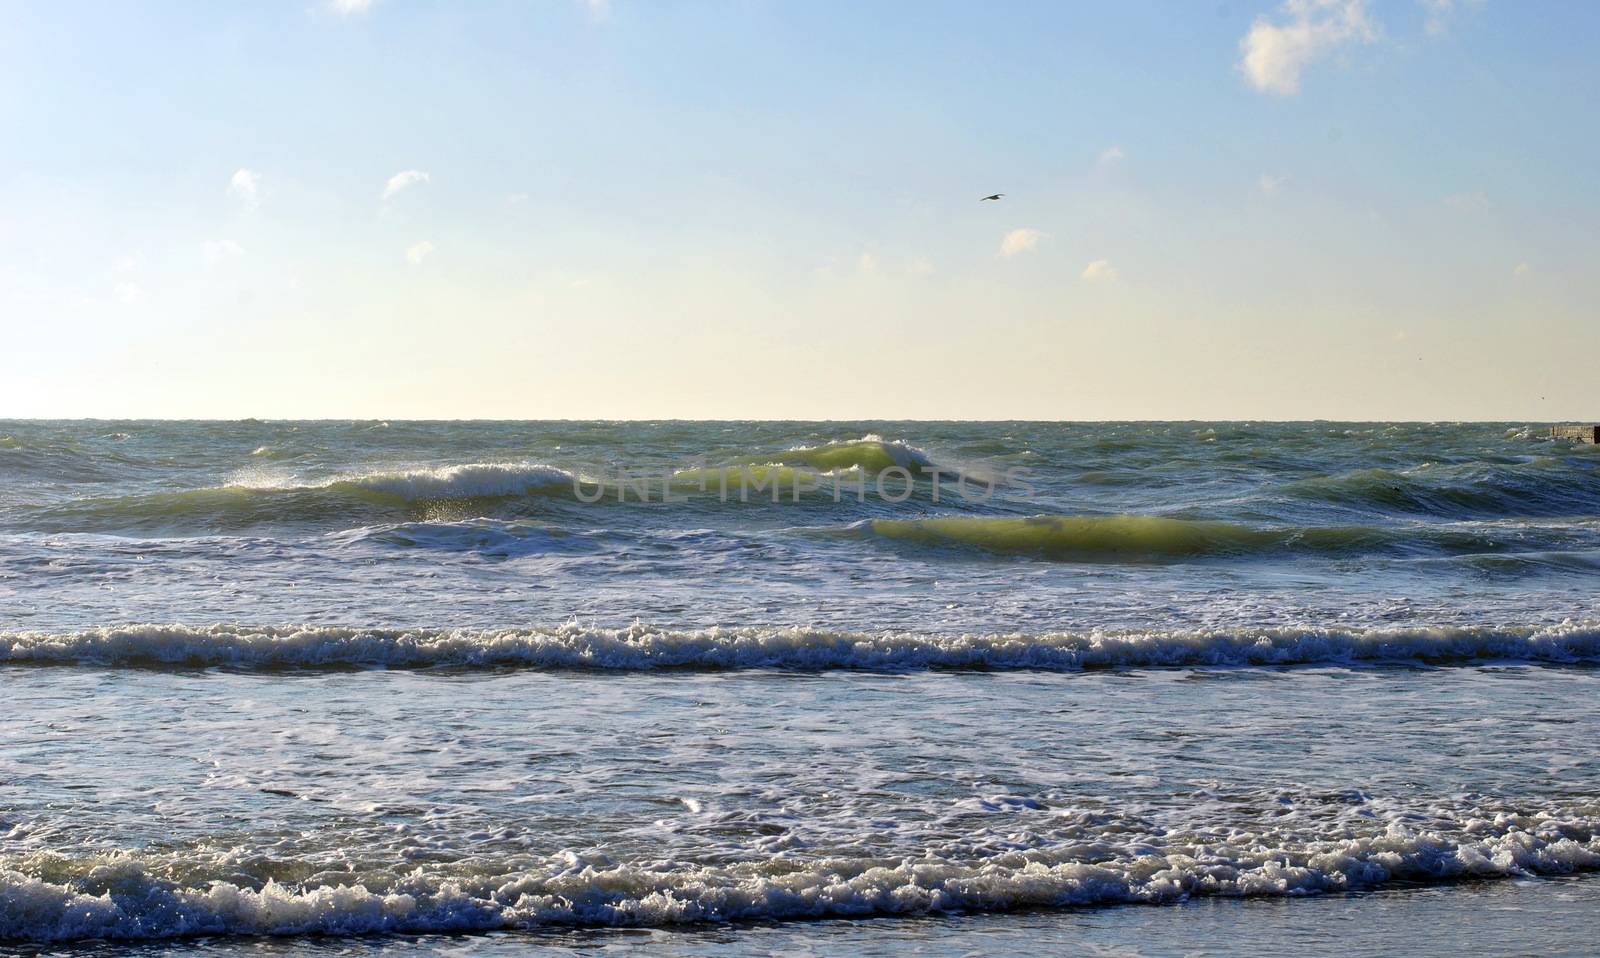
column 801, row 688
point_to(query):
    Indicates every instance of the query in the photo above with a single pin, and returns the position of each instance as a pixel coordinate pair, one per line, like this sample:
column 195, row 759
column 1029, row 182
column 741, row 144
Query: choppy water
column 303, row 678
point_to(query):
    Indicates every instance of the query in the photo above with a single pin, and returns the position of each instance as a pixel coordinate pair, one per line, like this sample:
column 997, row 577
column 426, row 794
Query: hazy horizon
column 890, row 420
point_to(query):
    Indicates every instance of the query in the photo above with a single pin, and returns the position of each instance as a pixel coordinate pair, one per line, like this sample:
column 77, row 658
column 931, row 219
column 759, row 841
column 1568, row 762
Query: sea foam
column 470, row 481
column 123, row 896
column 639, row 647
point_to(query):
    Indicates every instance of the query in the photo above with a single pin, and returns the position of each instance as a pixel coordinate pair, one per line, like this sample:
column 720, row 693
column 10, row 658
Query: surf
column 1095, row 859
column 573, row 646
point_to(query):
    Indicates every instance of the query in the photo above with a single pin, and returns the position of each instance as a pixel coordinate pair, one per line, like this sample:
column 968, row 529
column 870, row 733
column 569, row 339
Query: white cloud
column 1477, row 202
column 517, row 199
column 1439, row 13
column 1521, row 270
column 1273, row 54
column 218, row 250
column 129, row 294
column 920, row 266
column 1024, row 240
column 1112, row 154
column 599, row 9
column 405, row 179
column 245, row 186
column 1099, row 271
column 867, row 264
column 1270, row 185
column 347, row 8
column 418, row 252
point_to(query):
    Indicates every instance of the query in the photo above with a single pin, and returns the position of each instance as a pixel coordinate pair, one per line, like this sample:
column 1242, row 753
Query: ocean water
column 727, row 688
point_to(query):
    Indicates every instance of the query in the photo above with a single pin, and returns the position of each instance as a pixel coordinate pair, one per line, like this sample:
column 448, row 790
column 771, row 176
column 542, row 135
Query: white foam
column 464, row 481
column 471, row 480
column 123, row 896
column 903, row 453
column 641, row 647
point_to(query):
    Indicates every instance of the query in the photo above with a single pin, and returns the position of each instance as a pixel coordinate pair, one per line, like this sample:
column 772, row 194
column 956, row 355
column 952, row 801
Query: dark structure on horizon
column 1588, row 434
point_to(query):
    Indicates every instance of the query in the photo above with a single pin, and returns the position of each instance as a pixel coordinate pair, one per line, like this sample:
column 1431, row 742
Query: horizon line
column 866, row 419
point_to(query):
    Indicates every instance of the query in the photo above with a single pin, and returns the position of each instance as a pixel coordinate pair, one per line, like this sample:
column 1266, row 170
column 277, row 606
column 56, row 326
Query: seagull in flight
column 994, row 197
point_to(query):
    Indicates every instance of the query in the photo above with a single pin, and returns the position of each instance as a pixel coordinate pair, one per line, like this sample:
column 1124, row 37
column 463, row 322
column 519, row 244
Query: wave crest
column 257, row 498
column 470, row 481
column 639, row 647
column 871, row 453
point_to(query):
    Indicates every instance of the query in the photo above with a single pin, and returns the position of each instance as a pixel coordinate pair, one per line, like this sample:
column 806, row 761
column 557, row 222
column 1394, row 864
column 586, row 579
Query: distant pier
column 1588, row 434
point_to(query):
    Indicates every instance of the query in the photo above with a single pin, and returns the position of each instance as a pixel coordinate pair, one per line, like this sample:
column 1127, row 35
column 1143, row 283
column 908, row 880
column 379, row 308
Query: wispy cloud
column 245, row 186
column 218, row 250
column 1439, row 12
column 1269, row 185
column 129, row 294
column 350, row 8
column 418, row 252
column 1024, row 240
column 1521, row 270
column 599, row 9
column 1112, row 155
column 1099, row 271
column 403, row 180
column 1276, row 50
column 1475, row 202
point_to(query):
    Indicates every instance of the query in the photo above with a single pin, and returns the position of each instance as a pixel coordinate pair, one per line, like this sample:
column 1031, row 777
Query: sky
column 649, row 209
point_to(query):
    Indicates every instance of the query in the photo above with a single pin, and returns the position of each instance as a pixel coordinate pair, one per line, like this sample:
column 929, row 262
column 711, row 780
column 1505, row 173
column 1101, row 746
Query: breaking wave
column 639, row 647
column 871, row 453
column 472, row 481
column 353, row 497
column 1094, row 860
column 805, row 468
column 259, row 497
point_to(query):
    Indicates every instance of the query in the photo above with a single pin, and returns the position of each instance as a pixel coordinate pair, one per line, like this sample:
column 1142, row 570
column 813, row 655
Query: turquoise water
column 435, row 680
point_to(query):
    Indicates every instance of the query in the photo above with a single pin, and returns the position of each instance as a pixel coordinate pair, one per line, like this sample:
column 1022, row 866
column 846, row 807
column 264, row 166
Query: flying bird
column 994, row 197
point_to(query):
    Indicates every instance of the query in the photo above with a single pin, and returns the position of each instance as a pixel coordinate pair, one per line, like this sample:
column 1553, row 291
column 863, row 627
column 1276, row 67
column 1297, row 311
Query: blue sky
column 1321, row 208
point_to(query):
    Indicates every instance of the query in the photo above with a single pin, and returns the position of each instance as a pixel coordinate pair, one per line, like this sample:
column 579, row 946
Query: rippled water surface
column 475, row 687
